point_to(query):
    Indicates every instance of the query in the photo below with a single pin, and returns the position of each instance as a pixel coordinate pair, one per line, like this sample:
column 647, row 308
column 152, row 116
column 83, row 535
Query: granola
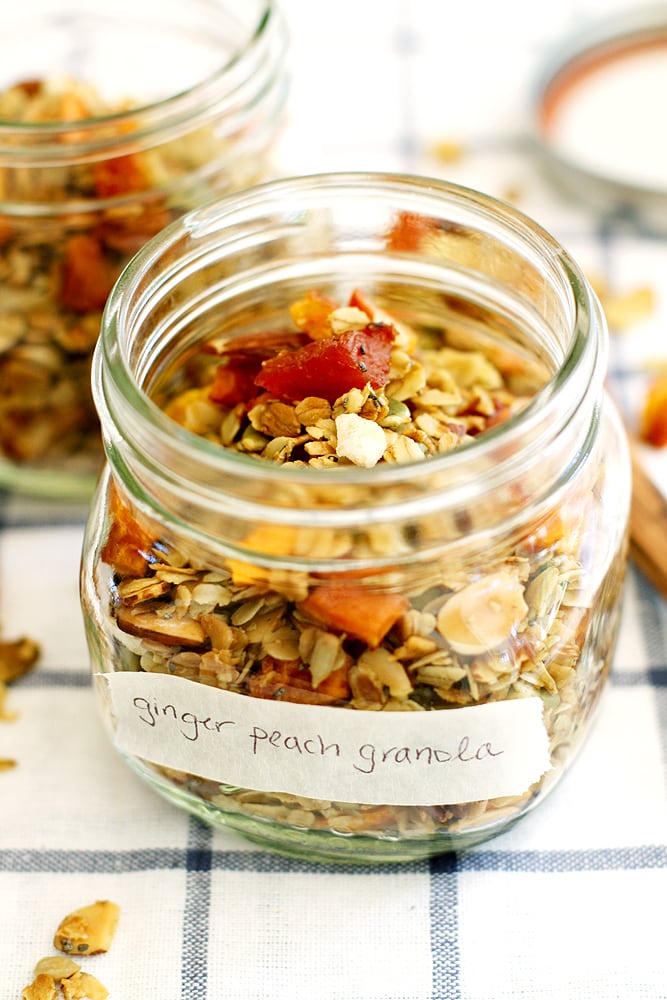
column 395, row 404
column 17, row 657
column 66, row 231
column 357, row 388
column 86, row 931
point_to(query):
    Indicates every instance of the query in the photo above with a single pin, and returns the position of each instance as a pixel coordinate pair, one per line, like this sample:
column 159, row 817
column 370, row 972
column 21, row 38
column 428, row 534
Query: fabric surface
column 568, row 904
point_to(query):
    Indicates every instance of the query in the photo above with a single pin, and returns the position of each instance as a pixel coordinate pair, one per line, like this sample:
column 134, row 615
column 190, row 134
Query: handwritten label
column 393, row 758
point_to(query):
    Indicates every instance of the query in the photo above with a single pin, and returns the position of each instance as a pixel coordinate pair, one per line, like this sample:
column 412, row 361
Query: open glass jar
column 114, row 119
column 343, row 656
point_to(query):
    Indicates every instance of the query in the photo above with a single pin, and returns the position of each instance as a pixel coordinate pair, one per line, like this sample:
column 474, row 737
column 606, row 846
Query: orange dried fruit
column 653, row 426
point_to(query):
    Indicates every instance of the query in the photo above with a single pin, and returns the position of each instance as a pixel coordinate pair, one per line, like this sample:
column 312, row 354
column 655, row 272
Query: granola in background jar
column 352, row 576
column 113, row 122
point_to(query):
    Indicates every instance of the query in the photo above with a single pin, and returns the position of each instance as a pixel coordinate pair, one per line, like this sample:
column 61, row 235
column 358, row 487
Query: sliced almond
column 170, row 631
column 388, row 671
column 133, row 592
column 482, row 615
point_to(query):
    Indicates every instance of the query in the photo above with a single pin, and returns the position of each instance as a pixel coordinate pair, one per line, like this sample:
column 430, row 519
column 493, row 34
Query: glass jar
column 347, row 662
column 114, row 120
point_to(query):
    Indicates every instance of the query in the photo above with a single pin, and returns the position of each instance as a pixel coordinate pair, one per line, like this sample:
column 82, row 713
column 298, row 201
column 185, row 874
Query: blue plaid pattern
column 570, row 902
column 203, row 862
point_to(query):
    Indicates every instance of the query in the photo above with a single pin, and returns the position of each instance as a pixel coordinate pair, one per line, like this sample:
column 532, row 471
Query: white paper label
column 392, row 758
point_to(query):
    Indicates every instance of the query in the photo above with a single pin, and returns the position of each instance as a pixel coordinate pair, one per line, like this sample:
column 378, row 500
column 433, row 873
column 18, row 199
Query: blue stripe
column 654, row 632
column 654, row 621
column 199, row 858
column 649, row 677
column 637, row 858
column 50, row 678
column 658, row 678
column 444, row 913
column 194, row 973
column 86, row 862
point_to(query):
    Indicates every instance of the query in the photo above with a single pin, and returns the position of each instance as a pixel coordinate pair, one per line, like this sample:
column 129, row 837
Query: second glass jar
column 113, row 122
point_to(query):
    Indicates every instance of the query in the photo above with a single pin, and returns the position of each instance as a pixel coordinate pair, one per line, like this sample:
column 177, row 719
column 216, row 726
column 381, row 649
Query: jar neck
column 220, row 495
column 244, row 91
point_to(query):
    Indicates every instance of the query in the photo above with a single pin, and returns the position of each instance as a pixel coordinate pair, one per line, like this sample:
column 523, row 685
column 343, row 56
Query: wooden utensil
column 648, row 525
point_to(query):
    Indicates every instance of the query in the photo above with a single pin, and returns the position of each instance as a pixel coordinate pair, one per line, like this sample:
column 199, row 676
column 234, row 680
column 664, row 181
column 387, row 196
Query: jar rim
column 583, row 363
column 244, row 70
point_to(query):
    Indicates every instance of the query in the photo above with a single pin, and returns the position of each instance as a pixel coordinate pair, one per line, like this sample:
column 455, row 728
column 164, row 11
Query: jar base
column 326, row 847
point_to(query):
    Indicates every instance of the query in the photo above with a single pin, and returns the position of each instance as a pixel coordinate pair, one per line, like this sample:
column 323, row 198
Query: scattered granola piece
column 88, row 930
column 448, row 151
column 56, row 966
column 17, row 658
column 5, row 716
column 83, row 986
column 42, row 987
column 655, row 365
column 624, row 309
column 512, row 193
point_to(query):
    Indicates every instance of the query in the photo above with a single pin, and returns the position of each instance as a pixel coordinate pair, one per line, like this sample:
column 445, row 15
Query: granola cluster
column 445, row 636
column 429, row 397
column 66, row 231
column 86, row 931
column 17, row 657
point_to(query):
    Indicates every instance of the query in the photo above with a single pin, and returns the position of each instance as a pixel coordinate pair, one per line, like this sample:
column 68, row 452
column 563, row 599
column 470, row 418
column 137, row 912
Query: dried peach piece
column 88, row 930
column 128, row 545
column 120, row 175
column 311, row 314
column 270, row 539
column 361, row 613
column 653, row 428
column 409, row 231
column 87, row 274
